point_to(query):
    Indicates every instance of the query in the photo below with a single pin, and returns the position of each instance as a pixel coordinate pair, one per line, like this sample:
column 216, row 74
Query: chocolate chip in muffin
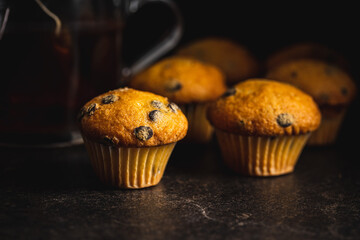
column 81, row 114
column 109, row 99
column 143, row 133
column 174, row 108
column 241, row 124
column 285, row 120
column 155, row 115
column 91, row 109
column 157, row 104
column 344, row 91
column 229, row 92
column 294, row 74
column 173, row 85
column 108, row 141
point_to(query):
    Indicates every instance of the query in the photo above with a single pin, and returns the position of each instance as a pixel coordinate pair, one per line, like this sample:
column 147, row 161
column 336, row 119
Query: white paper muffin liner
column 129, row 167
column 261, row 156
column 328, row 130
column 199, row 130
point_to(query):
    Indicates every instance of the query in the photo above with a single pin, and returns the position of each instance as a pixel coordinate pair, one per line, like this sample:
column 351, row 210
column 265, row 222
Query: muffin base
column 200, row 130
column 129, row 167
column 261, row 156
column 328, row 130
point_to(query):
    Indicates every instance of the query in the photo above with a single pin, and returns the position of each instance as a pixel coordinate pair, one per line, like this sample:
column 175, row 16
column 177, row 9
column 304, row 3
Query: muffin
column 331, row 88
column 236, row 62
column 309, row 50
column 262, row 126
column 130, row 135
column 189, row 83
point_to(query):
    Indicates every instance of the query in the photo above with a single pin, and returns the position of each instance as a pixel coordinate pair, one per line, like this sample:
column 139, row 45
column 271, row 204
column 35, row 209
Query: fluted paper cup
column 129, row 167
column 261, row 156
column 328, row 130
column 200, row 130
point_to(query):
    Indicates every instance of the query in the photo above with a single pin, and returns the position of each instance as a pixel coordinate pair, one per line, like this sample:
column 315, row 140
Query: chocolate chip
column 108, row 141
column 109, row 99
column 157, row 104
column 173, row 85
column 174, row 108
column 155, row 115
column 294, row 74
column 91, row 109
column 229, row 92
column 241, row 124
column 143, row 133
column 344, row 91
column 285, row 120
column 81, row 114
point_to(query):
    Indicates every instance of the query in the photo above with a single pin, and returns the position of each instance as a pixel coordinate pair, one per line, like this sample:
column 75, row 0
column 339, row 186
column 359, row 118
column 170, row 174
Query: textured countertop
column 54, row 194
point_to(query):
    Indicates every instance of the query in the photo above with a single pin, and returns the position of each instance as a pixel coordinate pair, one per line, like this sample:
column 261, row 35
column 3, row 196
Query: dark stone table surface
column 54, row 194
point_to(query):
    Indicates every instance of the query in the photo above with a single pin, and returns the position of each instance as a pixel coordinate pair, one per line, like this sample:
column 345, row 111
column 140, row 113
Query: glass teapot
column 56, row 55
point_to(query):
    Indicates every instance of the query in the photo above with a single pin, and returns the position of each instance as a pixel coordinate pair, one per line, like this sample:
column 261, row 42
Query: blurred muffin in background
column 310, row 50
column 332, row 89
column 189, row 83
column 262, row 126
column 236, row 62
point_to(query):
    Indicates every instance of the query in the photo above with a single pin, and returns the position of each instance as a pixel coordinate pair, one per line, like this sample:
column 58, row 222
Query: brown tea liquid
column 47, row 78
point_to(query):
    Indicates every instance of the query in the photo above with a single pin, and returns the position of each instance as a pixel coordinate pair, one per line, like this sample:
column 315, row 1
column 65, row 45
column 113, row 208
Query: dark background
column 262, row 28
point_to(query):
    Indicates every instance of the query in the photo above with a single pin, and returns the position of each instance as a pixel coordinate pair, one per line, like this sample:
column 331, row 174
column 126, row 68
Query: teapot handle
column 4, row 15
column 165, row 45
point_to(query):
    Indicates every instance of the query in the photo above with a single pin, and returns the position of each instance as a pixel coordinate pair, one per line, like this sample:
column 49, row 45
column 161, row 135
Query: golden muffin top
column 233, row 59
column 261, row 107
column 309, row 50
column 326, row 83
column 182, row 80
column 130, row 118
